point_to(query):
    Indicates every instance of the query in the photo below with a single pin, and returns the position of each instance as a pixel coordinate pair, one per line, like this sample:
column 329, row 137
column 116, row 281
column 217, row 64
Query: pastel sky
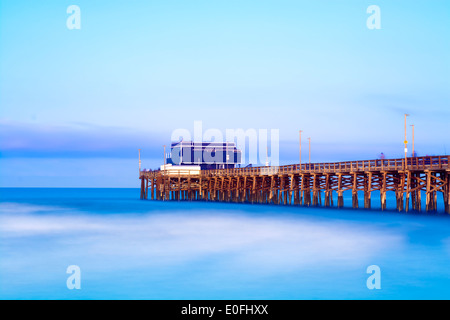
column 75, row 105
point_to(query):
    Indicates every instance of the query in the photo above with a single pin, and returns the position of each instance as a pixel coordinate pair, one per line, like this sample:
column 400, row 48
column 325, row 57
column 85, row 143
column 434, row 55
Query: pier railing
column 376, row 165
column 412, row 164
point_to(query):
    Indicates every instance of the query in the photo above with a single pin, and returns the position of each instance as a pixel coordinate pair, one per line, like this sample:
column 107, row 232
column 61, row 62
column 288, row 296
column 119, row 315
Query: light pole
column 300, row 142
column 139, row 160
column 413, row 140
column 406, row 142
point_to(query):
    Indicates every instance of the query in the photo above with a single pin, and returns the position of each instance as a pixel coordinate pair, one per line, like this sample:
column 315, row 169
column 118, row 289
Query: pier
column 310, row 184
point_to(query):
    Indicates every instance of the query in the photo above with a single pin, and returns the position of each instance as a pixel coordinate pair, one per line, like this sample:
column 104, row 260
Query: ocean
column 126, row 248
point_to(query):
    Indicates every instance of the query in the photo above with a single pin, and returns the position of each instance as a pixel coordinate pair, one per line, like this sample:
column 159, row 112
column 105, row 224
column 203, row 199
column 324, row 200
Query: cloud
column 19, row 139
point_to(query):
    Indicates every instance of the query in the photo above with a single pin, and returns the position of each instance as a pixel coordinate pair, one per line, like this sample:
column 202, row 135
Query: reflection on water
column 131, row 249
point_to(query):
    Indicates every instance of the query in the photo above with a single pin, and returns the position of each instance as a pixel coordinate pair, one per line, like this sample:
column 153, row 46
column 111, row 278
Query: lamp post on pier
column 139, row 160
column 406, row 143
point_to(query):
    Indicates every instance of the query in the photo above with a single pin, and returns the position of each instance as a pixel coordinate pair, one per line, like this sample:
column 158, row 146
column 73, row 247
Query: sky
column 77, row 104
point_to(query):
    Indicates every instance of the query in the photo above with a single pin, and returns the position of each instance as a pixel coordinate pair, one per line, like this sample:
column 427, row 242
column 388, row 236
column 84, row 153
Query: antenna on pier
column 139, row 160
column 406, row 145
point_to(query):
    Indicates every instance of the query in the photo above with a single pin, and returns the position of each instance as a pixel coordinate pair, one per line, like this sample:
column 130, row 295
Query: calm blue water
column 132, row 249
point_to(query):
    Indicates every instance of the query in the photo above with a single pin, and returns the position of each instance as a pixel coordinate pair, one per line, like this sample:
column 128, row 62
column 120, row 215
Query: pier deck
column 308, row 183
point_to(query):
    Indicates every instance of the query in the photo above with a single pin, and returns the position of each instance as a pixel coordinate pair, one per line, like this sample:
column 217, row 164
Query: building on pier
column 206, row 155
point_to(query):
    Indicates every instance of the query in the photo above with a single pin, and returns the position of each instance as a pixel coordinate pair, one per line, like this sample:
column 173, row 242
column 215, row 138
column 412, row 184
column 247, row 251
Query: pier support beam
column 368, row 190
column 146, row 189
column 355, row 204
column 383, row 191
column 314, row 190
column 399, row 184
column 340, row 192
column 408, row 190
column 142, row 188
column 307, row 190
column 328, row 191
column 447, row 192
column 300, row 190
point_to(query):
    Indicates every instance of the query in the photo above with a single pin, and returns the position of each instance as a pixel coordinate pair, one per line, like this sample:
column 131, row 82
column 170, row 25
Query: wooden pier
column 310, row 184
